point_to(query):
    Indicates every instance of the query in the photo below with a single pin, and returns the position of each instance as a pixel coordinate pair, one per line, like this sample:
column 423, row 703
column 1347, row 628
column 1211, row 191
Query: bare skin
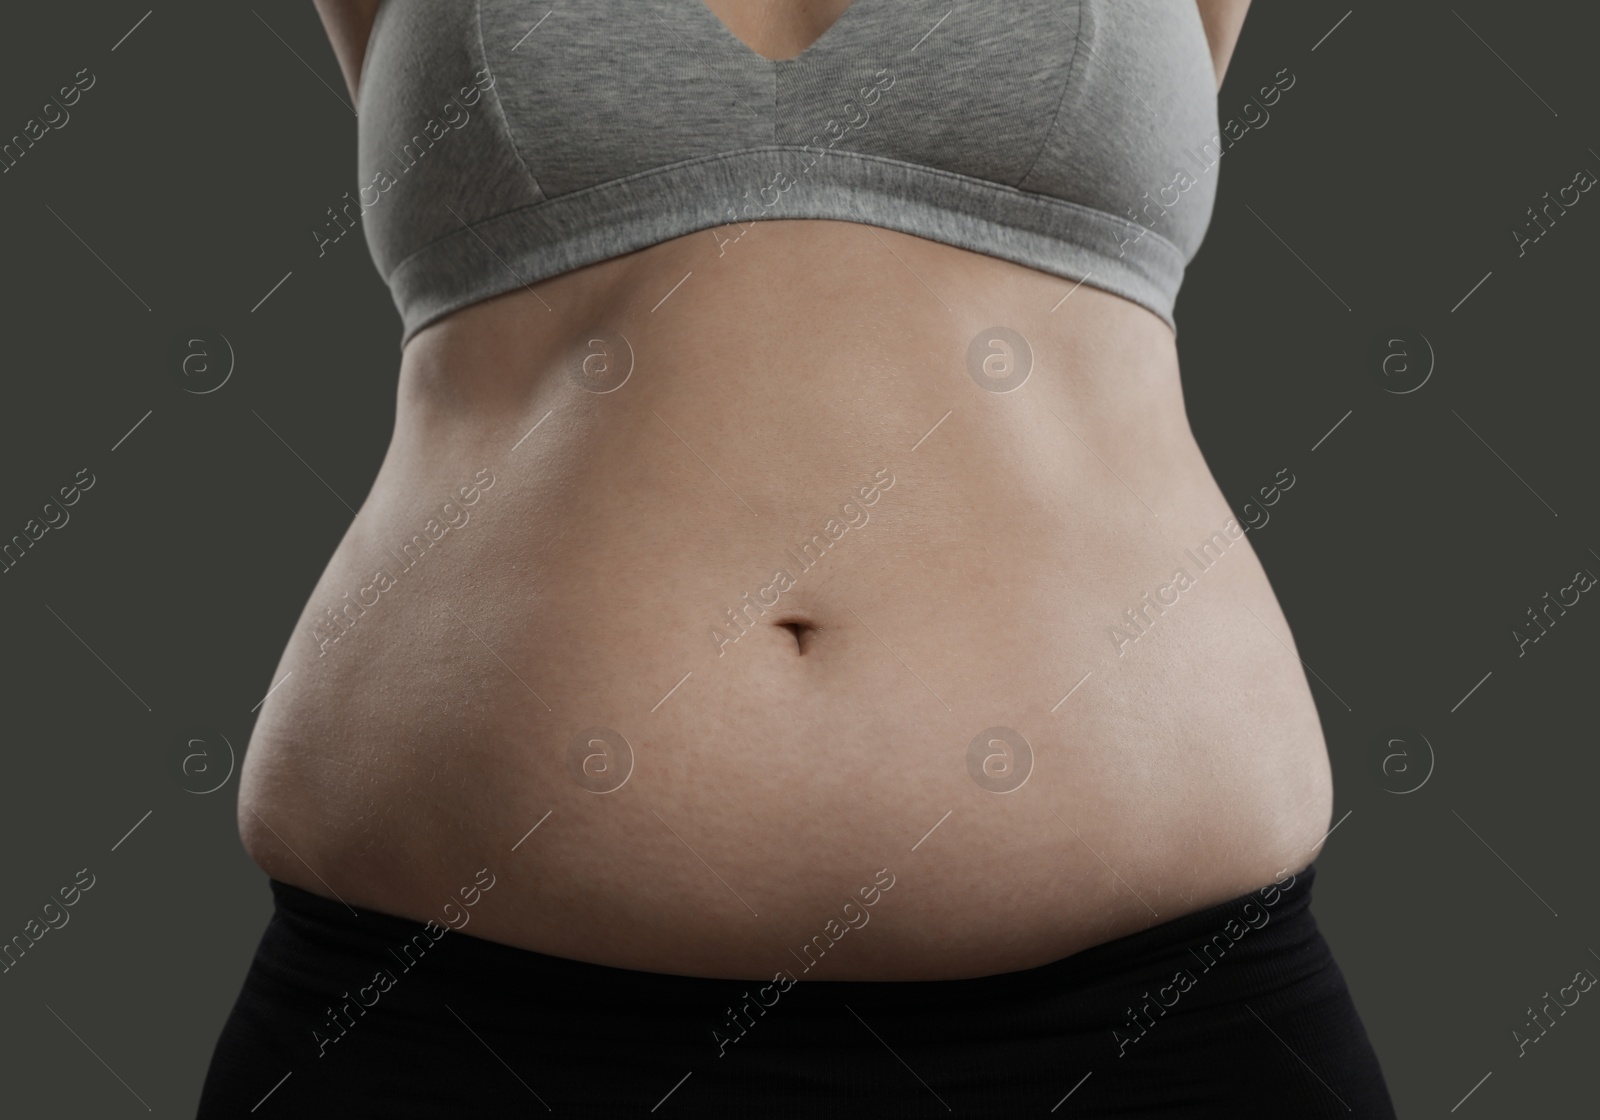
column 774, row 776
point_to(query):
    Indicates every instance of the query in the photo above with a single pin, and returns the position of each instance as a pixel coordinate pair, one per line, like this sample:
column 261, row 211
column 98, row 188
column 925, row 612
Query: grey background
column 1408, row 549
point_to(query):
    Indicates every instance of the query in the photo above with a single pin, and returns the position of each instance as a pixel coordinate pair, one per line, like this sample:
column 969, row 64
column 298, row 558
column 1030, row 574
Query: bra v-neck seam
column 814, row 45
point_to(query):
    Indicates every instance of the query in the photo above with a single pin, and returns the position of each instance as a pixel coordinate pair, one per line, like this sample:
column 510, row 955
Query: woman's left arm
column 1222, row 20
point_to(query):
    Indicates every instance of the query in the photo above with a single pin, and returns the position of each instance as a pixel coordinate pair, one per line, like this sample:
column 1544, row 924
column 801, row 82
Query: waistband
column 339, row 941
column 1210, row 1014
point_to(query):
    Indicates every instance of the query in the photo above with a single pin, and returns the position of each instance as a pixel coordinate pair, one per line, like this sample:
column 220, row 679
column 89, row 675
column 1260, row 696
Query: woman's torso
column 960, row 567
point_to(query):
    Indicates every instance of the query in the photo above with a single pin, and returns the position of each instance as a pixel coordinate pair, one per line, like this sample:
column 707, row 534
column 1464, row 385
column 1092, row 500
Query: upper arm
column 1222, row 20
column 349, row 25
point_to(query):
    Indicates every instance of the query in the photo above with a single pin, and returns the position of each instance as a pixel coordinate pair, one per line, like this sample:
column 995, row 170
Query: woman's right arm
column 349, row 25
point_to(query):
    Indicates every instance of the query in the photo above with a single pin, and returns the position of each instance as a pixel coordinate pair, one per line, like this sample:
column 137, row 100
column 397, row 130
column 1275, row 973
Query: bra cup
column 1141, row 108
column 605, row 89
column 430, row 138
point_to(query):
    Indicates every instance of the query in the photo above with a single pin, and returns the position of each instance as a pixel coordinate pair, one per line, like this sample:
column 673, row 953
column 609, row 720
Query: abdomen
column 800, row 603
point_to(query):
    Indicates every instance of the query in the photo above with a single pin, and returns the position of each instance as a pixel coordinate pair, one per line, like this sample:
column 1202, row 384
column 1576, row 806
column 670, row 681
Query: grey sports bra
column 502, row 143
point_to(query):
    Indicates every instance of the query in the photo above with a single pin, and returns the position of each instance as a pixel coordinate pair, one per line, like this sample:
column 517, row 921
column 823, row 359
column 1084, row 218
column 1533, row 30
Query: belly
column 727, row 599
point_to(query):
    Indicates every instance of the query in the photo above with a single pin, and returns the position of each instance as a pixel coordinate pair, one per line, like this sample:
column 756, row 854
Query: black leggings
column 1235, row 1011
